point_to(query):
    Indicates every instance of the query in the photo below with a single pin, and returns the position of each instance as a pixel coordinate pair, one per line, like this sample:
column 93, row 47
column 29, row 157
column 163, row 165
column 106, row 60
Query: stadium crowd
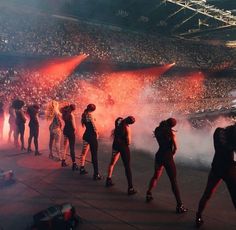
column 45, row 35
column 181, row 96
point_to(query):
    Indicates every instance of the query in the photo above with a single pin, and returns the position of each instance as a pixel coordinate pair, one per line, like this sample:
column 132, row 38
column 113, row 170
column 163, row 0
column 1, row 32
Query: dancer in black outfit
column 69, row 131
column 33, row 111
column 122, row 140
column 114, row 157
column 89, row 141
column 20, row 122
column 164, row 158
column 223, row 168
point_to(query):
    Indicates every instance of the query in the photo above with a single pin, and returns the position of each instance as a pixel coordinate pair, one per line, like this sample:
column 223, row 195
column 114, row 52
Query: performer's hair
column 129, row 120
column 117, row 123
column 52, row 108
column 89, row 108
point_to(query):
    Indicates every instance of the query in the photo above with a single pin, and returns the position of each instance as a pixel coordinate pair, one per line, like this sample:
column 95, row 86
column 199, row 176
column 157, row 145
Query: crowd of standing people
column 45, row 35
column 213, row 94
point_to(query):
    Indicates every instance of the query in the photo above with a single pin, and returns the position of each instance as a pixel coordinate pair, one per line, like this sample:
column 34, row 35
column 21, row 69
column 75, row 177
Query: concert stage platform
column 41, row 182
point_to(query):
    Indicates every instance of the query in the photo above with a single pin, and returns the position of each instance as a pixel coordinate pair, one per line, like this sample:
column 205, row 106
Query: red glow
column 126, row 86
column 57, row 70
column 126, row 90
column 152, row 72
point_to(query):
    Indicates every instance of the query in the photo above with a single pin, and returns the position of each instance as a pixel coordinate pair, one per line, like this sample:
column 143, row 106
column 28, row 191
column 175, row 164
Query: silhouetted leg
column 22, row 132
column 36, row 136
column 57, row 138
column 72, row 147
column 51, row 142
column 16, row 137
column 114, row 158
column 230, row 181
column 125, row 156
column 84, row 152
column 158, row 169
column 171, row 172
column 29, row 143
column 212, row 183
column 94, row 153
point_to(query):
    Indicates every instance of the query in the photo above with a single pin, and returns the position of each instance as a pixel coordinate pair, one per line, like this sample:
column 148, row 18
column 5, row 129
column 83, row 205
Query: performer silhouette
column 20, row 122
column 89, row 141
column 223, row 167
column 122, row 140
column 69, row 131
column 114, row 157
column 33, row 111
column 165, row 159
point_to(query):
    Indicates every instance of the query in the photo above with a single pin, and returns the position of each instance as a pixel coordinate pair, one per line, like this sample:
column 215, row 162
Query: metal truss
column 200, row 7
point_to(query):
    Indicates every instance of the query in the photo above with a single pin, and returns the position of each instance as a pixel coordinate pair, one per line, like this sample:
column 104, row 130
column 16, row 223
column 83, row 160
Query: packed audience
column 177, row 93
column 44, row 35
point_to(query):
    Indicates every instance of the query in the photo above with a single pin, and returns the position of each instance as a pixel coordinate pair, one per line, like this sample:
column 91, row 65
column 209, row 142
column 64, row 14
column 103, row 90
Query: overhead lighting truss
column 200, row 7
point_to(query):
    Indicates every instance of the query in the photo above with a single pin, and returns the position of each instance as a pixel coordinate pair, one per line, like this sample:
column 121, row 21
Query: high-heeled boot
column 181, row 209
column 63, row 163
column 75, row 167
column 199, row 221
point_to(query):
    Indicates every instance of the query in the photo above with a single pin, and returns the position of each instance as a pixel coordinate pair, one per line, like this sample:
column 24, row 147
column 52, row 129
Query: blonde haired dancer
column 55, row 128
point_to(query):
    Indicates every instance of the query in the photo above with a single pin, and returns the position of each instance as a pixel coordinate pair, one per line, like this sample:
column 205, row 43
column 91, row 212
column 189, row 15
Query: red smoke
column 57, row 70
column 124, row 89
column 126, row 86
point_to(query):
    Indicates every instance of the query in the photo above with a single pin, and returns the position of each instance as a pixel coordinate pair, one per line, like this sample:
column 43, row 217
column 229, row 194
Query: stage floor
column 41, row 182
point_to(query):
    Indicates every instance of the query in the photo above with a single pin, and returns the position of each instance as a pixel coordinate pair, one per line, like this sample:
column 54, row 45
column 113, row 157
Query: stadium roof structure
column 198, row 19
column 182, row 18
column 200, row 8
